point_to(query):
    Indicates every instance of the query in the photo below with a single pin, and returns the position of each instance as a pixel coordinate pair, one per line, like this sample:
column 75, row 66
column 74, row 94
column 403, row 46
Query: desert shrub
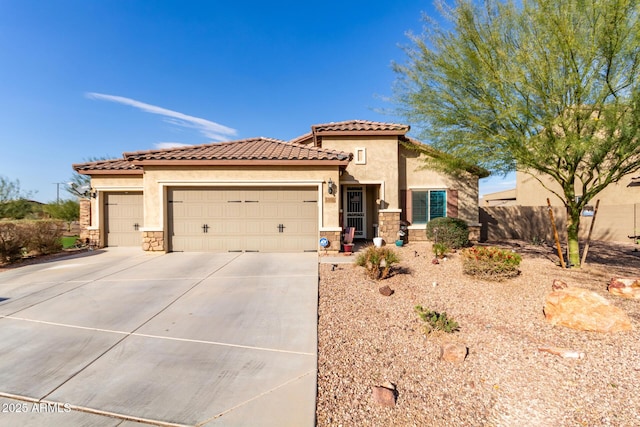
column 452, row 232
column 435, row 321
column 377, row 261
column 440, row 250
column 14, row 237
column 45, row 236
column 490, row 263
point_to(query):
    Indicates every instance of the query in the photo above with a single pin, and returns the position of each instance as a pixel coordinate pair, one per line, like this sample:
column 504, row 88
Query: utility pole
column 57, row 184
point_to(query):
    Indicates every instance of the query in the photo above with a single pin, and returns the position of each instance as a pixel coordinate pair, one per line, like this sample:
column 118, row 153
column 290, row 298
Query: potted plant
column 347, row 239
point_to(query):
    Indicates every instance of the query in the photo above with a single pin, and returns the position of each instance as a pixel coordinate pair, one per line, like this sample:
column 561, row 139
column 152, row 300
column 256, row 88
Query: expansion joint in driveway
column 128, row 334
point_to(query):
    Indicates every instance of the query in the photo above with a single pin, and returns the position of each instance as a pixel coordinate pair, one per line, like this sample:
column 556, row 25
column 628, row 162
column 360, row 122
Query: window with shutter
column 427, row 205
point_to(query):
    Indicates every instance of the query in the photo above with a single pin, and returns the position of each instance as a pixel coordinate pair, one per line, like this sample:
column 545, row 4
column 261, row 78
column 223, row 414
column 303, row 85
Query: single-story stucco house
column 264, row 194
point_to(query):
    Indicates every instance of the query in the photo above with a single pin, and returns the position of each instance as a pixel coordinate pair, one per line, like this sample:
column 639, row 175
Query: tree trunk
column 573, row 226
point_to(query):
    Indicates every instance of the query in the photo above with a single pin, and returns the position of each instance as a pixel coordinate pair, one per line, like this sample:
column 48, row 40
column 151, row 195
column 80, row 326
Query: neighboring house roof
column 500, row 198
column 108, row 167
column 252, row 151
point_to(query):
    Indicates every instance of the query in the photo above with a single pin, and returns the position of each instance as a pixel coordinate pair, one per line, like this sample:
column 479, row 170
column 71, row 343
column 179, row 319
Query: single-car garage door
column 123, row 218
column 256, row 219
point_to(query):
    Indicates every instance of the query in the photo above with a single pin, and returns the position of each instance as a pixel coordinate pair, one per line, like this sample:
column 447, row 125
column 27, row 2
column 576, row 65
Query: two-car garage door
column 260, row 219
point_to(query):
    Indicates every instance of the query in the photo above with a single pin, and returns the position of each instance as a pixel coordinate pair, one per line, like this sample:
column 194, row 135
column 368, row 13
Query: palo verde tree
column 550, row 87
column 79, row 184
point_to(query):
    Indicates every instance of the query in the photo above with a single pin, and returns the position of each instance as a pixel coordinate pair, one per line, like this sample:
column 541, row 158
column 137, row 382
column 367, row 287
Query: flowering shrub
column 490, row 262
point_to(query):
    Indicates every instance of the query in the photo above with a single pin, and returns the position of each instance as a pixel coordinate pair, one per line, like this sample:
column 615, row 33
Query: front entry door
column 355, row 210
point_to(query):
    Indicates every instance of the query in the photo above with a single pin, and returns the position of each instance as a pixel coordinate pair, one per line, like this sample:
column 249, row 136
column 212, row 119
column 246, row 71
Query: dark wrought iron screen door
column 355, row 210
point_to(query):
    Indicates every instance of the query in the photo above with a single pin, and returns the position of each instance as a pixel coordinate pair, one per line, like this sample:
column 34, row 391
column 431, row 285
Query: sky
column 86, row 79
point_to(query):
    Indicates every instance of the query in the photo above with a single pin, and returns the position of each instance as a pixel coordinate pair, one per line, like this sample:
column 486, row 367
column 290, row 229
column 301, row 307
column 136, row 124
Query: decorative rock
column 384, row 396
column 559, row 284
column 584, row 310
column 563, row 352
column 453, row 352
column 386, row 291
column 627, row 287
column 435, row 261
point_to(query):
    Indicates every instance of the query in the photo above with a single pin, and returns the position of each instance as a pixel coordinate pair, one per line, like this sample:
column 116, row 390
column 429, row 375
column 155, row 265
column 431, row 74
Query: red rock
column 627, row 287
column 386, row 291
column 584, row 310
column 559, row 284
column 453, row 352
column 384, row 396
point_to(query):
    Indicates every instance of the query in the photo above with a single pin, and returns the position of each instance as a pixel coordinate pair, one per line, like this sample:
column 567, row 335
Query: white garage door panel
column 243, row 219
column 123, row 219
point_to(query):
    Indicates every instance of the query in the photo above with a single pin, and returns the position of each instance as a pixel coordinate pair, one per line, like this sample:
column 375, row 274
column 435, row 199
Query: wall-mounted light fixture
column 330, row 186
column 93, row 194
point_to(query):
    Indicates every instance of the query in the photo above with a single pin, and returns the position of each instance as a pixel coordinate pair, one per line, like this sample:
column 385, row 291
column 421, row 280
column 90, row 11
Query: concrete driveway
column 117, row 337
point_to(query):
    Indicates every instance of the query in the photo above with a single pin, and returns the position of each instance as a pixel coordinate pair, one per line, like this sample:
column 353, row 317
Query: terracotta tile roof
column 115, row 165
column 246, row 149
column 360, row 126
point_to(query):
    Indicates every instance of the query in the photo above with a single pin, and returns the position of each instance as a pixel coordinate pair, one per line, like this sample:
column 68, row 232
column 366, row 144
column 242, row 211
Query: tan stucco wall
column 413, row 175
column 529, row 192
column 381, row 163
column 618, row 214
column 119, row 181
column 105, row 183
column 158, row 179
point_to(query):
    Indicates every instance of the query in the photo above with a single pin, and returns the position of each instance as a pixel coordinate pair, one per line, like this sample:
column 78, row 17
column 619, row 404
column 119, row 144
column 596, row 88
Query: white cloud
column 208, row 128
column 161, row 145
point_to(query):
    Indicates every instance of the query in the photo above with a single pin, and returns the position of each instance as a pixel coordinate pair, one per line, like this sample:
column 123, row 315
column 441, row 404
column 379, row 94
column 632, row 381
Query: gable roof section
column 108, row 167
column 254, row 151
column 350, row 128
column 360, row 127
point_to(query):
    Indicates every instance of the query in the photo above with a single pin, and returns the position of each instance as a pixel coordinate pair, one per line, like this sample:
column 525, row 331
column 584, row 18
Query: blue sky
column 82, row 78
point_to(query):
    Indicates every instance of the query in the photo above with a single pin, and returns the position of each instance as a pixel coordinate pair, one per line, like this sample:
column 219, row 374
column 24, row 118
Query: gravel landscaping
column 366, row 339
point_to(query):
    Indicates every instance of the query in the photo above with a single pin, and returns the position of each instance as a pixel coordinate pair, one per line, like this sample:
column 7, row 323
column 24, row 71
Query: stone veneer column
column 94, row 238
column 474, row 232
column 153, row 241
column 388, row 225
column 334, row 242
column 85, row 218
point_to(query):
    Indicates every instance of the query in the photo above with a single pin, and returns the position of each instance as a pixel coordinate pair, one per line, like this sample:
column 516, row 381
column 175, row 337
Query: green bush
column 490, row 263
column 452, row 232
column 13, row 239
column 436, row 321
column 377, row 261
